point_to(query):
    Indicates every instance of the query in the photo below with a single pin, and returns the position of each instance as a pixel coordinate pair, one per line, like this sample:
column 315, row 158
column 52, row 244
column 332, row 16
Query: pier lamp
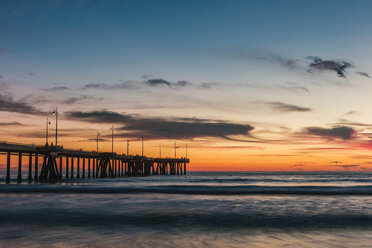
column 55, row 112
column 112, row 137
column 98, row 134
column 47, row 131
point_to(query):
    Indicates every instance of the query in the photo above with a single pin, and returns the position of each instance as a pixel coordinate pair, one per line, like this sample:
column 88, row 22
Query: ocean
column 200, row 209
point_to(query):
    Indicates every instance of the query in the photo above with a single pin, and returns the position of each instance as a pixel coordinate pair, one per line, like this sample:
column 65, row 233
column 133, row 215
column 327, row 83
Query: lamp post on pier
column 47, row 131
column 127, row 147
column 112, row 139
column 55, row 112
column 98, row 134
column 142, row 145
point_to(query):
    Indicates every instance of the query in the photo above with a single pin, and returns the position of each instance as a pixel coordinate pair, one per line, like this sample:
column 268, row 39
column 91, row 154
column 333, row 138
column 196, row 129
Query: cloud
column 347, row 166
column 319, row 65
column 160, row 81
column 56, row 88
column 297, row 165
column 4, row 50
column 265, row 56
column 121, row 85
column 157, row 128
column 31, row 73
column 285, row 107
column 75, row 99
column 8, row 104
column 342, row 132
column 14, row 123
column 364, row 74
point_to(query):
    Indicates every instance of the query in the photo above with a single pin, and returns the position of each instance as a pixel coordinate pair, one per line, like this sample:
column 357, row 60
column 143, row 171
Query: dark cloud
column 336, row 162
column 338, row 66
column 342, row 132
column 8, row 104
column 285, row 107
column 160, row 81
column 157, row 128
column 31, row 73
column 364, row 74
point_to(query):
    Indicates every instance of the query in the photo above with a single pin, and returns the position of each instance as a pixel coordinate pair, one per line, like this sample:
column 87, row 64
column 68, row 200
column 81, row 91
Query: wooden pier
column 59, row 163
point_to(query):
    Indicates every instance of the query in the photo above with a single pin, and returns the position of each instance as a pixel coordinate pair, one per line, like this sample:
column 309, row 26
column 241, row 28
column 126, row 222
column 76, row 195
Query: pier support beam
column 36, row 176
column 60, row 167
column 78, row 168
column 30, row 167
column 67, row 166
column 7, row 180
column 72, row 167
column 89, row 167
column 19, row 177
column 83, row 167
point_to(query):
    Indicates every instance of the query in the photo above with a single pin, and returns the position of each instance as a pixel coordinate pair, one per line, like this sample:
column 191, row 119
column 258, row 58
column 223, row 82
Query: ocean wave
column 191, row 189
column 214, row 220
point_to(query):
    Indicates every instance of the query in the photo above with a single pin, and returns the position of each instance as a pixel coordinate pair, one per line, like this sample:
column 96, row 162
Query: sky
column 245, row 85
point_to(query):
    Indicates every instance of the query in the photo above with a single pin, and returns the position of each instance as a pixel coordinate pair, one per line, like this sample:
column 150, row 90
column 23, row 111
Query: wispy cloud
column 158, row 128
column 75, row 99
column 285, row 107
column 347, row 166
column 14, row 123
column 8, row 104
column 56, row 88
column 115, row 86
column 364, row 74
column 264, row 56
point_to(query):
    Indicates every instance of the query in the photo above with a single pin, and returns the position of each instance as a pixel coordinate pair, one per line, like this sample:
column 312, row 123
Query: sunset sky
column 247, row 85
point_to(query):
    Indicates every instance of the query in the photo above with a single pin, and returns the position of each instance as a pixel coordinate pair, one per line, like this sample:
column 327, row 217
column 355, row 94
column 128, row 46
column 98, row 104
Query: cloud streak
column 285, row 107
column 8, row 104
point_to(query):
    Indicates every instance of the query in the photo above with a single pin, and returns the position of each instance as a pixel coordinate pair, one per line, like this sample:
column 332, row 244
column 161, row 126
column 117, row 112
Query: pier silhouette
column 59, row 163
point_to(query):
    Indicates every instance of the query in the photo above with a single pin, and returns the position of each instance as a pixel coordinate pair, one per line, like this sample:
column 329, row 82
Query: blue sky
column 108, row 39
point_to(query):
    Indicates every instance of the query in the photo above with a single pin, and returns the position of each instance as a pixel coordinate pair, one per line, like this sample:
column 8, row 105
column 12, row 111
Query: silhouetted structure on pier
column 94, row 164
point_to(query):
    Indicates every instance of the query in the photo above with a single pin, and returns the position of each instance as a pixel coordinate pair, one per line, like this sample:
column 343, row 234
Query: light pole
column 159, row 151
column 47, row 131
column 112, row 138
column 98, row 134
column 186, row 150
column 142, row 145
column 127, row 147
column 55, row 112
column 175, row 150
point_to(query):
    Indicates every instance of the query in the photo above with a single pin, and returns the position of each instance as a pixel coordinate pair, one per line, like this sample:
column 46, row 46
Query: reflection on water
column 55, row 216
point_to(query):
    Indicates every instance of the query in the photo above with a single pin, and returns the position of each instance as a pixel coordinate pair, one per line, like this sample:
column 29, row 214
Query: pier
column 59, row 163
